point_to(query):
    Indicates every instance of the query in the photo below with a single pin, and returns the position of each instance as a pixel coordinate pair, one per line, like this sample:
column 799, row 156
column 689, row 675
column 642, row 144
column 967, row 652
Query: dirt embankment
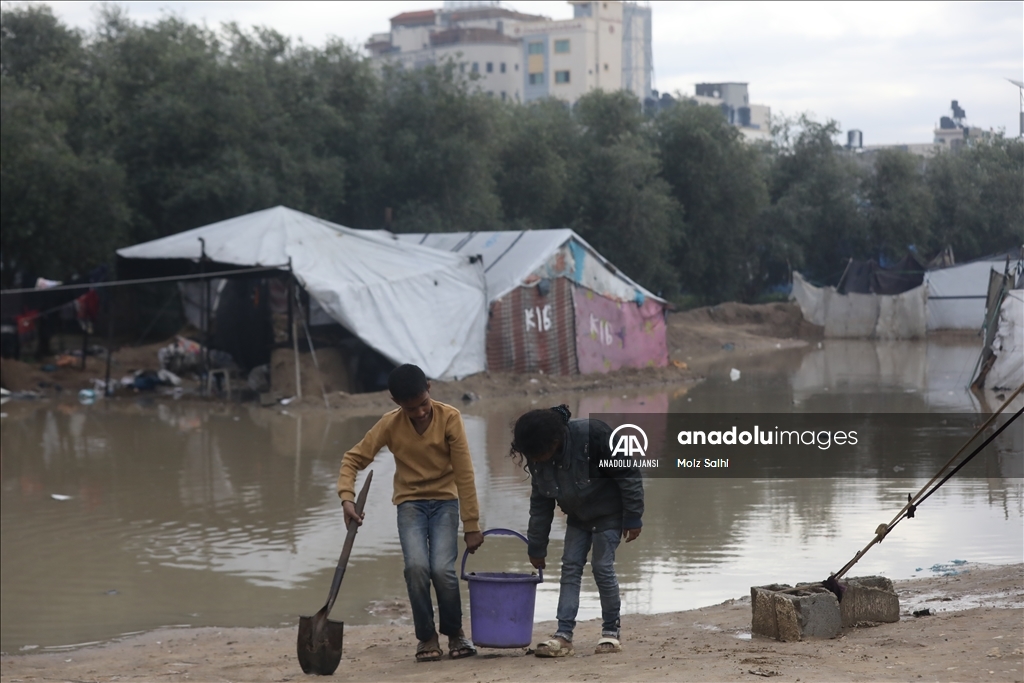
column 973, row 634
column 696, row 339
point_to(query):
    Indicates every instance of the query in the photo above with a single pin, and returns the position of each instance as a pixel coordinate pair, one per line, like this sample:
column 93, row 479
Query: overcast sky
column 889, row 69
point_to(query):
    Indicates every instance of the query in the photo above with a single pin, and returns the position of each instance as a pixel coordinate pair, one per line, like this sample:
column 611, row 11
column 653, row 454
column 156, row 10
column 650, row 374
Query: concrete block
column 785, row 613
column 869, row 599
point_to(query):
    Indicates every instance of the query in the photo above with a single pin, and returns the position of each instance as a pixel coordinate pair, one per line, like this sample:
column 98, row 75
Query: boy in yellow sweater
column 433, row 475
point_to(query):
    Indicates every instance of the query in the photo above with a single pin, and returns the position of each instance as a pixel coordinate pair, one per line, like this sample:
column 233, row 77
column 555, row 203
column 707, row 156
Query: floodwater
column 173, row 514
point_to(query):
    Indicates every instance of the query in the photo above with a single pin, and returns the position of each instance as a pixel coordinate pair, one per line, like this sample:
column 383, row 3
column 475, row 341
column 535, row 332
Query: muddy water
column 187, row 514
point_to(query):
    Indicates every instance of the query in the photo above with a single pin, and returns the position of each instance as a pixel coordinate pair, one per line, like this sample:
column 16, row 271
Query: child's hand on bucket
column 630, row 534
column 473, row 539
column 537, row 562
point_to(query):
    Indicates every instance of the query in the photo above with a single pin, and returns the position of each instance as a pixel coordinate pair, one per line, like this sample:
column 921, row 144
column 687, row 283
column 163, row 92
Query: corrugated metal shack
column 557, row 306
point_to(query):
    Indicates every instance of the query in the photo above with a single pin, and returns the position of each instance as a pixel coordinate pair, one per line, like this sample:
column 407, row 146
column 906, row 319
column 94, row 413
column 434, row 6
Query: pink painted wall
column 612, row 335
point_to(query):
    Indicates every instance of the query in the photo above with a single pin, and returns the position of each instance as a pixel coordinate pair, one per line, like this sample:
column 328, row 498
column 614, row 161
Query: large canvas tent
column 557, row 305
column 411, row 303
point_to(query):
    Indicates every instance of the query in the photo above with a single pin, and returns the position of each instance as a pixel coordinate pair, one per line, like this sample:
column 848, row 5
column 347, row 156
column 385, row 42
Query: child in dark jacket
column 602, row 507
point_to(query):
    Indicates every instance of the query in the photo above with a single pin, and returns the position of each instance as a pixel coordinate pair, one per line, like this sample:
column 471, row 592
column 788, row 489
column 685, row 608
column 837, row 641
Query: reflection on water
column 207, row 515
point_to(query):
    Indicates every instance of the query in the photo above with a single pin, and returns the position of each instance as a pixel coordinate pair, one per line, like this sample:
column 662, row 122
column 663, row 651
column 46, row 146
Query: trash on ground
column 734, row 374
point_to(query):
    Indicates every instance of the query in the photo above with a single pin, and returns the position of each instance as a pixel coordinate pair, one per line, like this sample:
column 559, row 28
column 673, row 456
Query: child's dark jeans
column 577, row 545
column 429, row 532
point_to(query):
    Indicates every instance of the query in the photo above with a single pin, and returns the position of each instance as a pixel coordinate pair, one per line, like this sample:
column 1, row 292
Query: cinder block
column 869, row 599
column 785, row 613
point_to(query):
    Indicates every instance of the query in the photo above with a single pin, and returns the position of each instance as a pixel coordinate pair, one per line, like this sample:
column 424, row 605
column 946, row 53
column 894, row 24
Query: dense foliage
column 132, row 132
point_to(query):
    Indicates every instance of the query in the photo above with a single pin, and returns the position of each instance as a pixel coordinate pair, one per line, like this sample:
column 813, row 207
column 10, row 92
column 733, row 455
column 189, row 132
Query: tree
column 978, row 194
column 716, row 179
column 620, row 203
column 816, row 217
column 537, row 163
column 900, row 207
column 437, row 144
column 62, row 205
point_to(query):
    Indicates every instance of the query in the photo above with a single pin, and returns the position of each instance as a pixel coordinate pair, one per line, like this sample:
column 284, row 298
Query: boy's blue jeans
column 429, row 532
column 577, row 544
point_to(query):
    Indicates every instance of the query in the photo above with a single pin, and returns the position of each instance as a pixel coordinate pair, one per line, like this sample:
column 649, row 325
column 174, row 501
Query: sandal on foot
column 553, row 648
column 459, row 647
column 428, row 651
column 607, row 646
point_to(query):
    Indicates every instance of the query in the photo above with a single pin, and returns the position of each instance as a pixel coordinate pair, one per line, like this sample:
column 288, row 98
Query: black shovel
column 319, row 644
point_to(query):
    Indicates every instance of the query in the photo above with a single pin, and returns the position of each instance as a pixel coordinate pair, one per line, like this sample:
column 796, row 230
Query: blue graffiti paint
column 579, row 255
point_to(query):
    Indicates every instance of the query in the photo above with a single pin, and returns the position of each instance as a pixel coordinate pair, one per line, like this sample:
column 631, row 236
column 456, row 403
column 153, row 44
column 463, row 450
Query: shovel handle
column 346, row 550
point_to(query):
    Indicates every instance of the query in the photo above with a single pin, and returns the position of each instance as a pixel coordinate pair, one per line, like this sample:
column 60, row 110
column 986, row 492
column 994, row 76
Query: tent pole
column 85, row 345
column 110, row 343
column 292, row 331
column 312, row 351
column 206, row 318
column 291, row 284
column 843, row 276
column 298, row 376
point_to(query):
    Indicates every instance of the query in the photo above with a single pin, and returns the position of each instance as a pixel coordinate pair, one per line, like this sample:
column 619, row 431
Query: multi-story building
column 950, row 134
column 606, row 45
column 753, row 120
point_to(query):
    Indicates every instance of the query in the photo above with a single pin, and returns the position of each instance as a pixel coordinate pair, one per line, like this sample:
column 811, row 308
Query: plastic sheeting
column 517, row 257
column 1007, row 371
column 862, row 316
column 413, row 304
column 956, row 295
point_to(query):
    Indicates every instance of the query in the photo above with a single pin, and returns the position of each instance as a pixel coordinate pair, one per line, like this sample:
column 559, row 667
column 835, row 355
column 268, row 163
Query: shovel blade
column 319, row 655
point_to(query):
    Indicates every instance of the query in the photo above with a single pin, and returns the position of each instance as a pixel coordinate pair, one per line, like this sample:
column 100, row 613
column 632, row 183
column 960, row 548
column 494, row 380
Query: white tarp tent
column 413, row 304
column 510, row 256
column 863, row 316
column 956, row 295
column 1007, row 371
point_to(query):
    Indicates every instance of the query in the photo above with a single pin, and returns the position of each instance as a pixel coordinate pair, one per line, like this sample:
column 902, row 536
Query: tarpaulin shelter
column 866, row 316
column 867, row 277
column 411, row 303
column 557, row 305
column 957, row 294
column 1007, row 371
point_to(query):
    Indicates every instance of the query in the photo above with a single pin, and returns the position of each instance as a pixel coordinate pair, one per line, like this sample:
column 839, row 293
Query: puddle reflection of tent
column 407, row 303
column 557, row 305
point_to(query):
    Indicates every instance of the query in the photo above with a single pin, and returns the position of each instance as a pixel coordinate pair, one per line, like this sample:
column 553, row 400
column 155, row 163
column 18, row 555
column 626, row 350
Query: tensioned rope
column 146, row 281
column 927, row 490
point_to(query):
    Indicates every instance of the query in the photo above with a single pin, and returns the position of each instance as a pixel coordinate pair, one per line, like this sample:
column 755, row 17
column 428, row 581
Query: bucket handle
column 497, row 532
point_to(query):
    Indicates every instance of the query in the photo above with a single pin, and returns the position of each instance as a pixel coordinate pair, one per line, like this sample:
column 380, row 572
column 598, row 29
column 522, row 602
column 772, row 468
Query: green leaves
column 136, row 131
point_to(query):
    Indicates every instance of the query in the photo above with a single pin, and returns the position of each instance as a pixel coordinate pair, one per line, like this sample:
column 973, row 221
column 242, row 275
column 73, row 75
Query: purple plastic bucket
column 501, row 604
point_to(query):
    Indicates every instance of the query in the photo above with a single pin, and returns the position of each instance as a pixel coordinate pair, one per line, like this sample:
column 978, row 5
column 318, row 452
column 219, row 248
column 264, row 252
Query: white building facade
column 753, row 120
column 606, row 45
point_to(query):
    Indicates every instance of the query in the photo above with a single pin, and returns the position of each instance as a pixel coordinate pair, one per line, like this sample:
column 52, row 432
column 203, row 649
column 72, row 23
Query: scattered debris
column 923, row 612
column 767, row 673
column 734, row 374
column 59, row 496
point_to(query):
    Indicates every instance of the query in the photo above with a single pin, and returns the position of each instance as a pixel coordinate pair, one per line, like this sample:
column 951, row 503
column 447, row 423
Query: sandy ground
column 975, row 633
